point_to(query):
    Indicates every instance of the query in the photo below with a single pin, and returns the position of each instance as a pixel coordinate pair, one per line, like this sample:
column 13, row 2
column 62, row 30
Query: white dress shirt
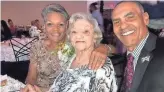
column 137, row 51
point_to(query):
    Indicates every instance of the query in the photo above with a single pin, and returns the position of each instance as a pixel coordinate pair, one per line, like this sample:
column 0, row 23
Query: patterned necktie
column 128, row 75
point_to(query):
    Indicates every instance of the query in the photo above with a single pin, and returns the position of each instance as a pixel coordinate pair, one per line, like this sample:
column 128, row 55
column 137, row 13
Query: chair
column 21, row 49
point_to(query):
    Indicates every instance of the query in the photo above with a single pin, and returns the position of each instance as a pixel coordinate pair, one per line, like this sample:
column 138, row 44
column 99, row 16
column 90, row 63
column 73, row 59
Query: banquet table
column 7, row 53
column 12, row 85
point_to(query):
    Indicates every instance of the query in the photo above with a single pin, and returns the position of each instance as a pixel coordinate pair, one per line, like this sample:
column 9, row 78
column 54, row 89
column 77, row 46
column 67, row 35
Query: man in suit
column 144, row 71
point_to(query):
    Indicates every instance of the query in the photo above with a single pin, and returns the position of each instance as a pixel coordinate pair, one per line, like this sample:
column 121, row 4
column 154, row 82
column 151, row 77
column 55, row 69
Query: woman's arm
column 32, row 74
column 32, row 71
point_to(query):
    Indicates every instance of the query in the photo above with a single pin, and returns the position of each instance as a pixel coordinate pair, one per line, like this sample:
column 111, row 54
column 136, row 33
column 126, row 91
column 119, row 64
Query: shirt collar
column 138, row 49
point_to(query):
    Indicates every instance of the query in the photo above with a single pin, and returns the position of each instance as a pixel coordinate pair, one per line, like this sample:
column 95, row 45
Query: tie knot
column 130, row 57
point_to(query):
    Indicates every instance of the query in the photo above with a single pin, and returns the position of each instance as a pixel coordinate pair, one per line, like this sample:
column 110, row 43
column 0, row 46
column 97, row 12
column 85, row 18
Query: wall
column 23, row 12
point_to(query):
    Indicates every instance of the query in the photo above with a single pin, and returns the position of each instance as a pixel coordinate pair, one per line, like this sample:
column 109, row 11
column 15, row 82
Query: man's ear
column 146, row 18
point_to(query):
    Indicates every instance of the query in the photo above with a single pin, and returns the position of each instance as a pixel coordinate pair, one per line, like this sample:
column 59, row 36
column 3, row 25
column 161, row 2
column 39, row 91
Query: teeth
column 127, row 33
column 55, row 34
column 79, row 41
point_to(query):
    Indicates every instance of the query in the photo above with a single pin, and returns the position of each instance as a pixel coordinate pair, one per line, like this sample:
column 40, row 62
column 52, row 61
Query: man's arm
column 98, row 56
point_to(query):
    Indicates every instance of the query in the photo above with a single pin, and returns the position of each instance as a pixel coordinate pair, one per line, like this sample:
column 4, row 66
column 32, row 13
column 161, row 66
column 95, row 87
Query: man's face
column 129, row 24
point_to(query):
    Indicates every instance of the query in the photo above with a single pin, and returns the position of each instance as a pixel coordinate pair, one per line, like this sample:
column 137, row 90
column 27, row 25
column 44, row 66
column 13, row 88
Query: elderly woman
column 46, row 59
column 84, row 34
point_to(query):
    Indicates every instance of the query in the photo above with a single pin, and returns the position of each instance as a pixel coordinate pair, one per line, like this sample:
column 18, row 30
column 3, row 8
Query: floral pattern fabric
column 7, row 53
column 12, row 84
column 85, row 80
column 48, row 65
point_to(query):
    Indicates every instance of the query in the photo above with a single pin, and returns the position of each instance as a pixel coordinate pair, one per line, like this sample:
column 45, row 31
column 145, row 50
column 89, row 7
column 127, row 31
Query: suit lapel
column 140, row 69
column 143, row 61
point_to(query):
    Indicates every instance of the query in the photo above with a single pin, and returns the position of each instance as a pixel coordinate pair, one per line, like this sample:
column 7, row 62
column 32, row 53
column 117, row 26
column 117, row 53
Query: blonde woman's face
column 55, row 27
column 82, row 35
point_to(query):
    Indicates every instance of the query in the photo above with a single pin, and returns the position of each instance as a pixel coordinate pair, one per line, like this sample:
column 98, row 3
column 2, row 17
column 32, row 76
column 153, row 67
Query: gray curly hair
column 91, row 20
column 54, row 8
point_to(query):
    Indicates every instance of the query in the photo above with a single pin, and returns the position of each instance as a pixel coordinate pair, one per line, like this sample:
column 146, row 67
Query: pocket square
column 147, row 58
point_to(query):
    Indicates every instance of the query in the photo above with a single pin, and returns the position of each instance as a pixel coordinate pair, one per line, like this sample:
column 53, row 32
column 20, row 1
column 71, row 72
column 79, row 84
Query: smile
column 128, row 33
column 56, row 34
column 79, row 41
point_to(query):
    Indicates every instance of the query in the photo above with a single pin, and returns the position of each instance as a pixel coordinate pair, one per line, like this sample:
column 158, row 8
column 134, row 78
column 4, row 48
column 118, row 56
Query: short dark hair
column 36, row 20
column 9, row 20
column 54, row 8
column 94, row 5
column 136, row 2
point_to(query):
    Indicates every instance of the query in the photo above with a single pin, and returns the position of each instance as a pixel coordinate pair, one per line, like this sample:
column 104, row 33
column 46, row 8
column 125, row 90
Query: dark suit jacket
column 149, row 73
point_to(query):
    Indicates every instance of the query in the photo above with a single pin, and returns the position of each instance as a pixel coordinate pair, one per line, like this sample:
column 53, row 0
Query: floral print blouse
column 48, row 65
column 85, row 80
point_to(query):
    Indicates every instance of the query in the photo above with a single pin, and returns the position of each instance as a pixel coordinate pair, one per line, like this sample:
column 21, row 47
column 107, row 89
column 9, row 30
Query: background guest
column 33, row 30
column 5, row 31
column 38, row 25
column 97, row 15
column 12, row 27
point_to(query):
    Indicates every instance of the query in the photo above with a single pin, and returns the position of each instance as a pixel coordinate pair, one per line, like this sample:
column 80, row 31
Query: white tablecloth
column 12, row 84
column 7, row 53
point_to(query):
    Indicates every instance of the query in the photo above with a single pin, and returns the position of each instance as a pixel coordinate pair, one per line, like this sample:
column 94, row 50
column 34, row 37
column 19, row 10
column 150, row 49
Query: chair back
column 21, row 48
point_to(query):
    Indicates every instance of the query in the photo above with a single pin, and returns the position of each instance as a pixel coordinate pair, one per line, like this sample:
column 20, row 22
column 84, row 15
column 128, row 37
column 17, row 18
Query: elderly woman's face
column 82, row 35
column 55, row 27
